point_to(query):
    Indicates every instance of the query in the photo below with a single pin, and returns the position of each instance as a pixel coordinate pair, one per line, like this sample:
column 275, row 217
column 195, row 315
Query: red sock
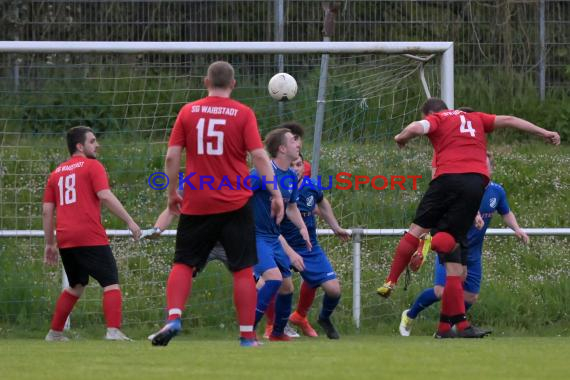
column 178, row 288
column 112, row 307
column 63, row 308
column 306, row 298
column 404, row 251
column 453, row 305
column 270, row 311
column 245, row 300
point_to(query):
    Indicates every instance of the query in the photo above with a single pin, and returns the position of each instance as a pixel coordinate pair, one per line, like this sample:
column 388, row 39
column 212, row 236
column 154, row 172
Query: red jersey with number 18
column 217, row 133
column 459, row 142
column 73, row 188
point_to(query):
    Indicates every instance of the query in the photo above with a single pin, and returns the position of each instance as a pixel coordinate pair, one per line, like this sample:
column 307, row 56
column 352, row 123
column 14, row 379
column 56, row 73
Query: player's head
column 281, row 142
column 81, row 140
column 433, row 105
column 490, row 162
column 220, row 76
column 295, row 128
column 466, row 109
column 299, row 166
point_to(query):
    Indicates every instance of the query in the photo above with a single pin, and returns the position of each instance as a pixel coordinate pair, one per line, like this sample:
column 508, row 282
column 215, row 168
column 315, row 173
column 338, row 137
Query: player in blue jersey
column 274, row 263
column 494, row 199
column 318, row 270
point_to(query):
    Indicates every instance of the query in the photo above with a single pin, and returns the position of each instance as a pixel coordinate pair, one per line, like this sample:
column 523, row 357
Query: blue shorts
column 270, row 254
column 318, row 268
column 472, row 283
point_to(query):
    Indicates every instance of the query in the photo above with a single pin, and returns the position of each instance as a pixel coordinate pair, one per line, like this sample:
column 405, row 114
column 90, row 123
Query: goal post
column 130, row 92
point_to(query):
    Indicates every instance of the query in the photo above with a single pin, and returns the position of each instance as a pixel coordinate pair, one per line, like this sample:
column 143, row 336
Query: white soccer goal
column 130, row 92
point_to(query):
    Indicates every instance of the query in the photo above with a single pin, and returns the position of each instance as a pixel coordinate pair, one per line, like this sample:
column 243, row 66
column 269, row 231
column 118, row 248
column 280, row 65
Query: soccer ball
column 282, row 86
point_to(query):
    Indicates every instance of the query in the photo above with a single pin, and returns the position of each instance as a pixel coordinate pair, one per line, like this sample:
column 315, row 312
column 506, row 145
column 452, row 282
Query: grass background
column 353, row 357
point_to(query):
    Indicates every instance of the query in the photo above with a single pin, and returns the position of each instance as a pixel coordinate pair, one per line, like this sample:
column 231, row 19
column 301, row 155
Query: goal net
column 131, row 98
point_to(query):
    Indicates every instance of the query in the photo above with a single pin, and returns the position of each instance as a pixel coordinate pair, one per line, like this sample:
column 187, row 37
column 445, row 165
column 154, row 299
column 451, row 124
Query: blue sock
column 329, row 304
column 264, row 295
column 467, row 306
column 282, row 312
column 424, row 300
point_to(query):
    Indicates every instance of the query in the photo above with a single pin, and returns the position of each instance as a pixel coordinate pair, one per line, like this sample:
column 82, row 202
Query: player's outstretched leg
column 63, row 308
column 178, row 288
column 404, row 251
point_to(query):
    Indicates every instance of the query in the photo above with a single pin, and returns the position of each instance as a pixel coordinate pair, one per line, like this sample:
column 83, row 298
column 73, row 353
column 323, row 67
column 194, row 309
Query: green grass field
column 352, row 357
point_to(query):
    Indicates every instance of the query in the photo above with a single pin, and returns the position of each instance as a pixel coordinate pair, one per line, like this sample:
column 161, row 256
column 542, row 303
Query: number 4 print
column 466, row 126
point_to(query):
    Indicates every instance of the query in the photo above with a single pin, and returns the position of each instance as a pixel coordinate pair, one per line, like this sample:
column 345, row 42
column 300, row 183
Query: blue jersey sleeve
column 503, row 204
column 319, row 191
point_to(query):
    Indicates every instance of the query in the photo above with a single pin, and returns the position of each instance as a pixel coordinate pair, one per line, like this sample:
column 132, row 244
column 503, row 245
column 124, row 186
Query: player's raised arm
column 413, row 129
column 114, row 205
column 505, row 121
column 263, row 166
column 326, row 212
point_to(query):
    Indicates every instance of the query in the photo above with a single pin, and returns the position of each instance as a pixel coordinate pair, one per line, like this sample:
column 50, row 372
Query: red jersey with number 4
column 217, row 133
column 73, row 188
column 459, row 142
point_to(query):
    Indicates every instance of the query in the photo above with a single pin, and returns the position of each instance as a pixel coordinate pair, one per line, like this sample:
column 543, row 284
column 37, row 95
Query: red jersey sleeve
column 49, row 193
column 98, row 176
column 178, row 135
column 488, row 121
column 433, row 123
column 251, row 133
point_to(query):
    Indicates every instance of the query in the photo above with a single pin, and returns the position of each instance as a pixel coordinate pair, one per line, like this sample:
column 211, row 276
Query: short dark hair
column 294, row 127
column 466, row 109
column 433, row 105
column 77, row 135
column 221, row 74
column 274, row 140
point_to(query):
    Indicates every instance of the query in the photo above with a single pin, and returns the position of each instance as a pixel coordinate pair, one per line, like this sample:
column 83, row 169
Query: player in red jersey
column 451, row 202
column 217, row 133
column 74, row 192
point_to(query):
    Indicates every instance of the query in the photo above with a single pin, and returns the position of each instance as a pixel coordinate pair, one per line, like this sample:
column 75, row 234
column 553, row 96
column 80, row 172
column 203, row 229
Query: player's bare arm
column 414, row 129
column 171, row 167
column 294, row 257
column 511, row 221
column 327, row 214
column 51, row 251
column 114, row 205
column 504, row 121
column 294, row 215
column 262, row 164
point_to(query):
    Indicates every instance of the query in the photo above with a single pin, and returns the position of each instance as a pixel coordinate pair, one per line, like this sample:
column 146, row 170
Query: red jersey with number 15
column 459, row 142
column 217, row 133
column 73, row 188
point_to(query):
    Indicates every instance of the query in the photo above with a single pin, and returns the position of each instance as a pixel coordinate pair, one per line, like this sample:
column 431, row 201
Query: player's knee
column 332, row 288
column 286, row 286
column 443, row 242
column 438, row 290
column 77, row 290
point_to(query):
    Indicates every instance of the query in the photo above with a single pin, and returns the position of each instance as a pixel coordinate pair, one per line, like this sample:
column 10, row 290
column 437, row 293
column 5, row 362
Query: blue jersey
column 494, row 199
column 309, row 195
column 265, row 225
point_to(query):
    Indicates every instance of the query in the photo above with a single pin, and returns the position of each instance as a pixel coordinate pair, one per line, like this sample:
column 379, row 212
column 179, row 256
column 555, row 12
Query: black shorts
column 96, row 261
column 451, row 202
column 197, row 235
